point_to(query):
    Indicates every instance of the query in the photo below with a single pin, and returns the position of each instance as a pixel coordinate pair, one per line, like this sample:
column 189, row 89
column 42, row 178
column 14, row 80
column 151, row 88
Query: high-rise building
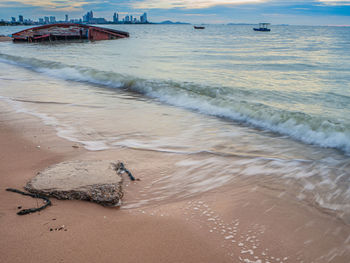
column 20, row 18
column 127, row 18
column 66, row 18
column 13, row 19
column 41, row 21
column 52, row 19
column 47, row 20
column 143, row 18
column 88, row 17
column 115, row 18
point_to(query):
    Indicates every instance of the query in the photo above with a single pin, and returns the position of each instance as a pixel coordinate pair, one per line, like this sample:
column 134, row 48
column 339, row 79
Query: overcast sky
column 312, row 12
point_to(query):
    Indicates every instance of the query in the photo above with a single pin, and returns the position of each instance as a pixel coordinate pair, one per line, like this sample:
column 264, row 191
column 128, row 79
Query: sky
column 294, row 12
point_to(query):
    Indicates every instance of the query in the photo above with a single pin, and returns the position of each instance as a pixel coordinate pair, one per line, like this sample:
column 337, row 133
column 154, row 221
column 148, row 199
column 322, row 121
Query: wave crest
column 216, row 101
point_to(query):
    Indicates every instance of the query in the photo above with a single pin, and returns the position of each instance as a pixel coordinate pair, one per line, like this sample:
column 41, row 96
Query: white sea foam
column 320, row 183
column 298, row 125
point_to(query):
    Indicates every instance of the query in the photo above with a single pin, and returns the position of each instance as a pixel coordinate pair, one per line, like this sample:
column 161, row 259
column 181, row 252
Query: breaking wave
column 224, row 102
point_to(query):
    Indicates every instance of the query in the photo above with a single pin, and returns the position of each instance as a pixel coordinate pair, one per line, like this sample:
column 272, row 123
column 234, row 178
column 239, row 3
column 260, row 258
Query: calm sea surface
column 274, row 107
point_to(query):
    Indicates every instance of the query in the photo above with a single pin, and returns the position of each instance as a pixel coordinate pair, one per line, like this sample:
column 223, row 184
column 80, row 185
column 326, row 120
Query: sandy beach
column 241, row 224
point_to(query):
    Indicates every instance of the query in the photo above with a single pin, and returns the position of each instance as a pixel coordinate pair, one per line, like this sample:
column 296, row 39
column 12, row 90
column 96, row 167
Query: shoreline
column 262, row 225
column 94, row 233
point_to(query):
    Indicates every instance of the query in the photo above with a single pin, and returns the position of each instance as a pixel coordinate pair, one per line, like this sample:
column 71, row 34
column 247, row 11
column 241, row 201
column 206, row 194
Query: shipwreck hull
column 55, row 32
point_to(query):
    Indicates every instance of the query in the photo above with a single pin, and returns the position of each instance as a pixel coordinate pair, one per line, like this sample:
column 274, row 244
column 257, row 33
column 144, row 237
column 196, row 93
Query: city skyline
column 311, row 12
column 87, row 18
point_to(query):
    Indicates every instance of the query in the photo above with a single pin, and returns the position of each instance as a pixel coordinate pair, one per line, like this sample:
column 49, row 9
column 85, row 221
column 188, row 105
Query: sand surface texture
column 240, row 223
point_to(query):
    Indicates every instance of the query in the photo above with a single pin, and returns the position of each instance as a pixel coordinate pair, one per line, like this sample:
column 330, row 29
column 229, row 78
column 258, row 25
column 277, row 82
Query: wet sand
column 244, row 223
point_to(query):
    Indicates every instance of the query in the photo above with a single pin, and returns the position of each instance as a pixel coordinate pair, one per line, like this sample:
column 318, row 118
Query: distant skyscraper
column 13, row 19
column 46, row 18
column 115, row 18
column 127, row 19
column 88, row 17
column 66, row 18
column 20, row 18
column 52, row 19
column 143, row 18
column 41, row 21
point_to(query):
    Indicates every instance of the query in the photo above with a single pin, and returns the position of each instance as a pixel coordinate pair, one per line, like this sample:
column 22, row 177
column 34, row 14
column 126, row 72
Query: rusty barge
column 67, row 31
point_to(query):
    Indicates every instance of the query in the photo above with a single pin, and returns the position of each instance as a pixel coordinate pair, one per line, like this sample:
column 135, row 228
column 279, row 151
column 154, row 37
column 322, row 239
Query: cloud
column 335, row 2
column 189, row 4
column 204, row 15
column 59, row 5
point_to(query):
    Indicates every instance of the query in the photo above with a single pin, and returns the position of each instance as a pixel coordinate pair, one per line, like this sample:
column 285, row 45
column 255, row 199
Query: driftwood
column 31, row 210
column 120, row 168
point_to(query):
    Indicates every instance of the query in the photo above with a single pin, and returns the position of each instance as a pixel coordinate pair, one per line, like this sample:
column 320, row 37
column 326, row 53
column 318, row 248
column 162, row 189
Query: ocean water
column 270, row 107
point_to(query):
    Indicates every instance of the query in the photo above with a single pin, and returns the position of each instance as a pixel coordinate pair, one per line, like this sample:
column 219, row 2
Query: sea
column 272, row 108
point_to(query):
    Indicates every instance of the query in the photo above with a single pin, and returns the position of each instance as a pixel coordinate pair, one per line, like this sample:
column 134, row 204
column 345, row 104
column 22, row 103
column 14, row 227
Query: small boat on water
column 263, row 27
column 199, row 27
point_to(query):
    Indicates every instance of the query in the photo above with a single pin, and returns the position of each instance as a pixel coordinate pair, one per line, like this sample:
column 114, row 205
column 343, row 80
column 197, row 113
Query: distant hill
column 168, row 22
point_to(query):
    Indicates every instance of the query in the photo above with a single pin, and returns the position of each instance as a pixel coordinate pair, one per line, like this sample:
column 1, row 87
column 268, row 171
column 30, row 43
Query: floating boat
column 67, row 31
column 263, row 27
column 199, row 27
